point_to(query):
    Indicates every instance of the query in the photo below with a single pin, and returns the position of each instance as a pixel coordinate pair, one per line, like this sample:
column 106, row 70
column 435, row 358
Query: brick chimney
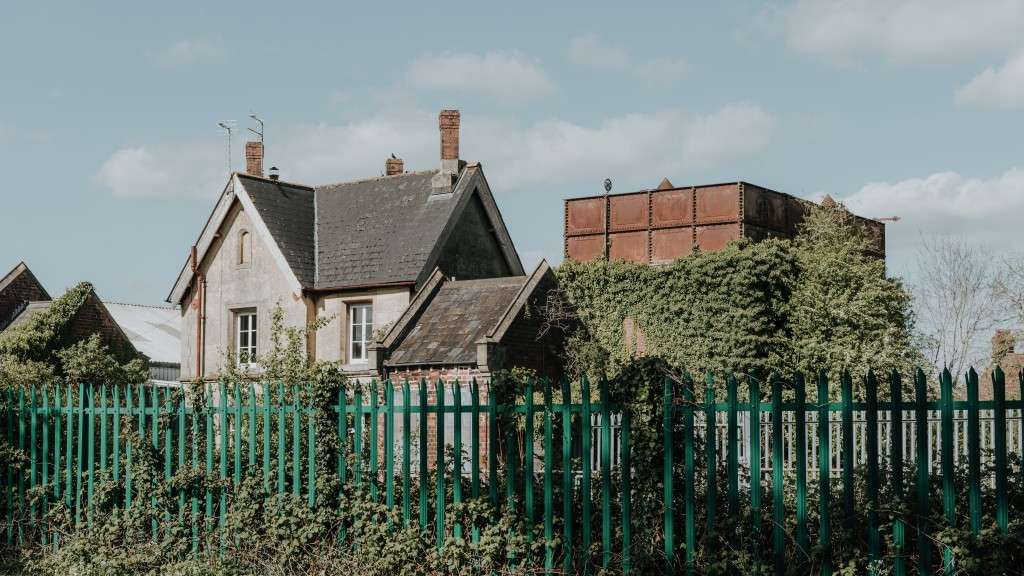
column 254, row 158
column 393, row 166
column 450, row 164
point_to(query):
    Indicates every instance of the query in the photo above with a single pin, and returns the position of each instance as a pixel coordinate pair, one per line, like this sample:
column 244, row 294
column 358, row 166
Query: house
column 355, row 253
column 90, row 316
column 657, row 226
column 129, row 330
column 465, row 329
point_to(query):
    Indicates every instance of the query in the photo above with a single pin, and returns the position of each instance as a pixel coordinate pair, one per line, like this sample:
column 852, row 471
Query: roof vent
column 273, row 173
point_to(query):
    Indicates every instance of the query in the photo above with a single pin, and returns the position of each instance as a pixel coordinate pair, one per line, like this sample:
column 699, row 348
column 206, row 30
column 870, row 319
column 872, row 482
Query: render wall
column 260, row 284
column 332, row 340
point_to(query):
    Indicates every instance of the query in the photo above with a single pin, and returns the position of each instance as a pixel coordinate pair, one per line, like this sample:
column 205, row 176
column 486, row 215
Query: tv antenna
column 226, row 125
column 257, row 132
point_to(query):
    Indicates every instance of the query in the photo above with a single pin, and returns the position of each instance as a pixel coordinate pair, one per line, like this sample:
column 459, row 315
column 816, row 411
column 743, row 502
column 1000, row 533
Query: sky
column 112, row 159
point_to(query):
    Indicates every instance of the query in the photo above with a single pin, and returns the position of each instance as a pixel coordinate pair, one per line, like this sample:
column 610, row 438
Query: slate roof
column 289, row 212
column 380, row 230
column 367, row 232
column 459, row 314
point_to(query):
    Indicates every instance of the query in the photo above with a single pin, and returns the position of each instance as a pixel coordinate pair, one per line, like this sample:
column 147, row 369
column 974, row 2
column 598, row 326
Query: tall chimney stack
column 449, row 124
column 254, row 158
column 393, row 166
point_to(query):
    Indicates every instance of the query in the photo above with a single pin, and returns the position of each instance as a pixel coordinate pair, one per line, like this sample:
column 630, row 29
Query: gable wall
column 261, row 284
column 93, row 318
column 22, row 289
column 523, row 346
column 472, row 250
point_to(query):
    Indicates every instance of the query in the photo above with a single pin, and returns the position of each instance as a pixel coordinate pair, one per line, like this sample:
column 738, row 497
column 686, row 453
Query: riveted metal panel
column 667, row 244
column 629, row 246
column 629, row 212
column 764, row 208
column 716, row 236
column 584, row 216
column 584, row 248
column 671, row 208
column 718, row 204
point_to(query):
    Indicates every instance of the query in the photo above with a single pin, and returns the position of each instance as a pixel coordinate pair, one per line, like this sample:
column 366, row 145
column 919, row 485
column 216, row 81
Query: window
column 244, row 248
column 360, row 319
column 245, row 338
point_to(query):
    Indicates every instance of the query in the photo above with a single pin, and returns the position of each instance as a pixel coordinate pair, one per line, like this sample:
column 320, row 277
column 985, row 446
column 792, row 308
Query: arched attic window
column 244, row 248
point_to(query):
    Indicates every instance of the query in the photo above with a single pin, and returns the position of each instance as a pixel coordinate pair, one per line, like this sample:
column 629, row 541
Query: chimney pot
column 273, row 173
column 393, row 166
column 254, row 158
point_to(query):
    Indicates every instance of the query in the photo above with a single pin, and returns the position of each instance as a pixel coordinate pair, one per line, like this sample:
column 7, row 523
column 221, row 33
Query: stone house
column 355, row 253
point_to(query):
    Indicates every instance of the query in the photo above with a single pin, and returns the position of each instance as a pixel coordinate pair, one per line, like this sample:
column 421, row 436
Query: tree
column 956, row 296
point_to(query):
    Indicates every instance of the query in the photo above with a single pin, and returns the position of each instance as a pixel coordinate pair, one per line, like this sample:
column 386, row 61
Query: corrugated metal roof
column 153, row 330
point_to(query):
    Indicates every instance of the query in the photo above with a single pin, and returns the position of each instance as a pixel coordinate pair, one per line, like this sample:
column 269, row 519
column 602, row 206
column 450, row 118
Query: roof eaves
column 519, row 301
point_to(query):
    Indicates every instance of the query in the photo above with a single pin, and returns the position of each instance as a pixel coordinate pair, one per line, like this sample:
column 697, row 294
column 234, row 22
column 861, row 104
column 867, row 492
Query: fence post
column 266, row 438
column 732, row 453
column 282, row 414
column 528, row 438
column 492, row 446
column 999, row 395
column 474, row 486
column 79, row 449
column 948, row 488
column 710, row 445
column 439, row 466
column 296, row 442
column 874, row 542
column 357, row 439
column 587, row 429
column 755, row 469
column 406, row 453
column 778, row 503
column 973, row 453
column 69, row 414
column 57, row 450
column 374, row 440
column 921, row 436
column 46, row 459
column 606, row 476
column 626, row 467
column 549, row 527
column 800, row 421
column 424, row 412
column 846, row 384
column 457, row 449
column 824, row 481
column 389, row 448
column 567, row 487
column 896, row 475
column 342, row 436
column 667, row 472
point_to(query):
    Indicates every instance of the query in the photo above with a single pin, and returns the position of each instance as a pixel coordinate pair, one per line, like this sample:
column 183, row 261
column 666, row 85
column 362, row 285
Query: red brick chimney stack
column 254, row 158
column 393, row 166
column 449, row 121
column 444, row 180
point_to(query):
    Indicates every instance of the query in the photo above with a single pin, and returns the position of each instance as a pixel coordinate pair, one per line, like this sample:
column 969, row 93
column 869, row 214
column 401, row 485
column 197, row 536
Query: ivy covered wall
column 816, row 302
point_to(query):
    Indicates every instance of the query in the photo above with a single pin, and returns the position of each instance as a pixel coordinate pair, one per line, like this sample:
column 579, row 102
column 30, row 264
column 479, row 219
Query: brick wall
column 22, row 289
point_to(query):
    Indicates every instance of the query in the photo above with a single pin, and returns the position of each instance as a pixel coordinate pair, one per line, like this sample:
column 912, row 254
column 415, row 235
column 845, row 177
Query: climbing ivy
column 817, row 301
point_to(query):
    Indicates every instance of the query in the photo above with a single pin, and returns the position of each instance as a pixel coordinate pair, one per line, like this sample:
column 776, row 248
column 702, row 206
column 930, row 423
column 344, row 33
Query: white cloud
column 190, row 51
column 1002, row 88
column 190, row 169
column 510, row 76
column 592, row 51
column 984, row 211
column 642, row 146
column 899, row 30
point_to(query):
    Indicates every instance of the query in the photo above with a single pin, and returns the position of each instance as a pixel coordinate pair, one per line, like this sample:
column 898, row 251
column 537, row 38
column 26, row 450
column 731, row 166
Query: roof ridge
column 157, row 306
column 374, row 178
column 272, row 181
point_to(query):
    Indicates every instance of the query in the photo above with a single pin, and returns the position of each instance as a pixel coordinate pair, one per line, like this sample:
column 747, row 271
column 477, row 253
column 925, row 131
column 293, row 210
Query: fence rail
column 392, row 437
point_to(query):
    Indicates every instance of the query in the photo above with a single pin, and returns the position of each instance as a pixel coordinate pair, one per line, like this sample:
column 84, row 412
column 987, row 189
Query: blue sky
column 112, row 159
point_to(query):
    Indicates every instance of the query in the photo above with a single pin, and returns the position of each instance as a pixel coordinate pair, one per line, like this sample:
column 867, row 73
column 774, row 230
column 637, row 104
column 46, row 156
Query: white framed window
column 360, row 322
column 245, row 337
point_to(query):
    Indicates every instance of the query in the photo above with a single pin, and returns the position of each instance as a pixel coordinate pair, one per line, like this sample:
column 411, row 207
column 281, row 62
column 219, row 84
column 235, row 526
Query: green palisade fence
column 717, row 462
